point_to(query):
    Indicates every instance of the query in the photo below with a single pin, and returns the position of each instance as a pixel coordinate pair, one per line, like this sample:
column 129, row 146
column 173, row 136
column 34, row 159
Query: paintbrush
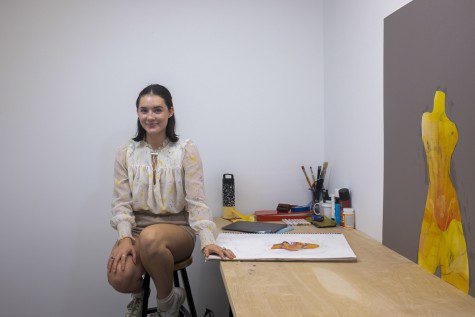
column 306, row 177
column 313, row 175
column 324, row 170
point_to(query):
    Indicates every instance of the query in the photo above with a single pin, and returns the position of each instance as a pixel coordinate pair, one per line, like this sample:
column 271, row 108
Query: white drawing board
column 258, row 247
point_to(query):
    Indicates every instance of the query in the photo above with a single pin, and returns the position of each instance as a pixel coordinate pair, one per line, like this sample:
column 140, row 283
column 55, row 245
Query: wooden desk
column 381, row 283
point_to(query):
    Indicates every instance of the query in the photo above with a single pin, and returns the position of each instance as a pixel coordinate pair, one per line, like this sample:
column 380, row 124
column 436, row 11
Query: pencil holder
column 316, row 192
column 228, row 196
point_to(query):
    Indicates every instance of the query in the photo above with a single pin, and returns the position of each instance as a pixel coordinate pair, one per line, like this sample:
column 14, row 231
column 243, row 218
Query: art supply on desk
column 324, row 170
column 317, row 186
column 324, row 223
column 313, row 175
column 345, row 198
column 348, row 218
column 306, row 176
column 323, row 208
column 345, row 202
column 318, row 218
column 274, row 215
column 296, row 222
column 300, row 209
column 284, row 207
column 254, row 227
column 317, row 190
column 228, row 196
column 337, row 212
column 258, row 247
column 332, row 199
column 241, row 217
column 326, row 209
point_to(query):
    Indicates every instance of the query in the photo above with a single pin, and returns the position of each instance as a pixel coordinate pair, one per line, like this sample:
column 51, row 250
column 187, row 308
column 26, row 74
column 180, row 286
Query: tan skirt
column 144, row 219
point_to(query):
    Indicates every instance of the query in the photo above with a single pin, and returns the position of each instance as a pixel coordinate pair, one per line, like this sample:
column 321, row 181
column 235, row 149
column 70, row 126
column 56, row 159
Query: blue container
column 300, row 208
column 337, row 214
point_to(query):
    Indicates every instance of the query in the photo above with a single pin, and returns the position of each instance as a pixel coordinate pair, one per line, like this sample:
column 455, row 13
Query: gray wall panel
column 427, row 44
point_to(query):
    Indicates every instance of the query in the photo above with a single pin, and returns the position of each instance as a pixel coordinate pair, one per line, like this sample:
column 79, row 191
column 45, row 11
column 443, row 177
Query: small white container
column 349, row 217
column 326, row 209
column 333, row 206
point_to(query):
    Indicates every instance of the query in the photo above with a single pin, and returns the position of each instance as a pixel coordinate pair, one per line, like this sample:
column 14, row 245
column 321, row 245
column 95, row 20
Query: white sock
column 164, row 304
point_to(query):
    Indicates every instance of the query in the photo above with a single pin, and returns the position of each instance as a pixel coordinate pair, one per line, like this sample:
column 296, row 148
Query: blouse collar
column 164, row 144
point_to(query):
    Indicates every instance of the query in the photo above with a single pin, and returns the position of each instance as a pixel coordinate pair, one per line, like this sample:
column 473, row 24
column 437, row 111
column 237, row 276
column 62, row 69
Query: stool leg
column 189, row 298
column 176, row 283
column 175, row 279
column 146, row 294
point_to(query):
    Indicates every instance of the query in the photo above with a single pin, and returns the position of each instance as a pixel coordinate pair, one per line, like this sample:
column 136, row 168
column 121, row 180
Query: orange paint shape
column 294, row 246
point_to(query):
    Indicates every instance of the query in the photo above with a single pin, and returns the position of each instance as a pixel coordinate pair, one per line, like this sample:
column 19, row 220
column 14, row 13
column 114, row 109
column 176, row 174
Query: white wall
column 353, row 90
column 247, row 81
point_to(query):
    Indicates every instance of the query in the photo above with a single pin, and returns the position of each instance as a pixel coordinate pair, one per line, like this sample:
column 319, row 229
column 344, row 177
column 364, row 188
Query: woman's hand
column 120, row 254
column 216, row 249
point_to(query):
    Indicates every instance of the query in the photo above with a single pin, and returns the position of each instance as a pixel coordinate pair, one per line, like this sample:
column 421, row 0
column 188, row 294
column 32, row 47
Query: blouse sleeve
column 123, row 219
column 200, row 218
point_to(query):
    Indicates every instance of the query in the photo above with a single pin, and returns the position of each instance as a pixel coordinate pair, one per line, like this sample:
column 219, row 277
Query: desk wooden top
column 381, row 283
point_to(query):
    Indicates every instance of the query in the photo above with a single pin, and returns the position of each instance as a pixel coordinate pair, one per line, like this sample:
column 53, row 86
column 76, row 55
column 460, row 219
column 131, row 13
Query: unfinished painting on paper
column 442, row 242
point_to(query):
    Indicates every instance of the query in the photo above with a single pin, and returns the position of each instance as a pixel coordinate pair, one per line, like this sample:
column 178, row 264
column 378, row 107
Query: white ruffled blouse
column 178, row 186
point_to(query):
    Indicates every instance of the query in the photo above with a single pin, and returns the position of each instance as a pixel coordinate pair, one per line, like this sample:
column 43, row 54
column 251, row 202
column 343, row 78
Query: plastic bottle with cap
column 345, row 202
column 349, row 217
column 228, row 196
column 337, row 212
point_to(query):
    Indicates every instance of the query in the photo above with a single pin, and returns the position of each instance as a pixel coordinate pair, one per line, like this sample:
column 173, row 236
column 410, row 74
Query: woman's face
column 153, row 114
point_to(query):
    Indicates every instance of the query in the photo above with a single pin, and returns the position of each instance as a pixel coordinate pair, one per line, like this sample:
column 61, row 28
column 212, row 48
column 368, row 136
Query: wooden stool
column 179, row 267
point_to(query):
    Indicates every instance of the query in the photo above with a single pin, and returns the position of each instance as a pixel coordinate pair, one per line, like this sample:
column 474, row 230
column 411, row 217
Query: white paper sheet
column 257, row 247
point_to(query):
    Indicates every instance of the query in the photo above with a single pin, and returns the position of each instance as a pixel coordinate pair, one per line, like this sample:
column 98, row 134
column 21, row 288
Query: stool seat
column 178, row 267
column 183, row 264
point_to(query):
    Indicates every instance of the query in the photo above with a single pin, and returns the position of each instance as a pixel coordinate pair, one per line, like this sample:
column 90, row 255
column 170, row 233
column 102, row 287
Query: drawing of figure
column 442, row 241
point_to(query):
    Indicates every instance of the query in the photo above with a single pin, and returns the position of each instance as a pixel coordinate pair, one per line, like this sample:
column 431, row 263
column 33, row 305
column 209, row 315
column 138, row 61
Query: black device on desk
column 254, row 227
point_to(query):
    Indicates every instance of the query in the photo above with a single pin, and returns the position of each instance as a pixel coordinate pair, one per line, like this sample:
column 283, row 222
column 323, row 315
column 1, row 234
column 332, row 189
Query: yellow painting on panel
column 442, row 241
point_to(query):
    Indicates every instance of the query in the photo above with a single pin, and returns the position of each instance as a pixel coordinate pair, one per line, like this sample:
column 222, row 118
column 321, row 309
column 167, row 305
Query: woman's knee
column 124, row 281
column 152, row 242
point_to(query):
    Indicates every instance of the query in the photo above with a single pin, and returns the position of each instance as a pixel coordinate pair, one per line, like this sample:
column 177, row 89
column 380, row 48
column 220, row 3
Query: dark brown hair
column 163, row 92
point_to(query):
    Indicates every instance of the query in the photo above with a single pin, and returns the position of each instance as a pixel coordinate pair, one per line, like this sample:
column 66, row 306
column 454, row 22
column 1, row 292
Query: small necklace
column 160, row 147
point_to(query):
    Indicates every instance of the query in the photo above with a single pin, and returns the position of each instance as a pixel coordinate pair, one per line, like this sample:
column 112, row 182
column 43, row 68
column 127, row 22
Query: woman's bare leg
column 130, row 279
column 161, row 245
